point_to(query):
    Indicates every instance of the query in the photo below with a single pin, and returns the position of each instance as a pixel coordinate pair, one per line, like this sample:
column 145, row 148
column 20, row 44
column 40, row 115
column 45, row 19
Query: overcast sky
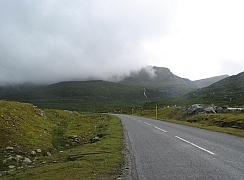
column 58, row 40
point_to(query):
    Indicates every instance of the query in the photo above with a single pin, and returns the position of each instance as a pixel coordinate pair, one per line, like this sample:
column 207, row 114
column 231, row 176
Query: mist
column 45, row 42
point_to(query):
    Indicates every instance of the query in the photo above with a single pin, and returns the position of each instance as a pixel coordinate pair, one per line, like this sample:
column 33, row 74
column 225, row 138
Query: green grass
column 226, row 92
column 24, row 127
column 70, row 133
column 231, row 123
column 89, row 96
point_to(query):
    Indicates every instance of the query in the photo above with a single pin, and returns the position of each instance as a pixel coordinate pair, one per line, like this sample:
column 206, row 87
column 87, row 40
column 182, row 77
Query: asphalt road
column 162, row 150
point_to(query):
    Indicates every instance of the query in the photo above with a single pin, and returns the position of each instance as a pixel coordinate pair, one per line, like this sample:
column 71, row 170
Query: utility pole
column 156, row 111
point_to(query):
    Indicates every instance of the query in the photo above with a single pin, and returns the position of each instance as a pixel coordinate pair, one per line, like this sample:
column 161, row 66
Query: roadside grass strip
column 79, row 145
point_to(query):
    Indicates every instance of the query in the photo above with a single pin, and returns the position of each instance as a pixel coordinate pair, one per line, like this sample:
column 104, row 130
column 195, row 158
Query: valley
column 60, row 130
column 158, row 84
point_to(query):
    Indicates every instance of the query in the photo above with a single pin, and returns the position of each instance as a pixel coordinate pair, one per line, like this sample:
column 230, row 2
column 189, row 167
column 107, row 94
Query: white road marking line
column 195, row 145
column 147, row 123
column 160, row 129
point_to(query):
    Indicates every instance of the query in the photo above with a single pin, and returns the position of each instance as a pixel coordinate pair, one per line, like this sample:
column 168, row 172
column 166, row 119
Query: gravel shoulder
column 129, row 170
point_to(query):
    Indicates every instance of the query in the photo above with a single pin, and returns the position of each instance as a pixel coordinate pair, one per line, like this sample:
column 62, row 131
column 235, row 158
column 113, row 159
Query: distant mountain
column 228, row 91
column 208, row 81
column 82, row 95
column 160, row 82
column 149, row 84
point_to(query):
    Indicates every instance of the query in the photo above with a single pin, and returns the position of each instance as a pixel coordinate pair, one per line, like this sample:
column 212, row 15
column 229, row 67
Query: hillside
column 148, row 84
column 44, row 144
column 24, row 126
column 208, row 81
column 226, row 92
column 160, row 82
column 229, row 91
column 83, row 95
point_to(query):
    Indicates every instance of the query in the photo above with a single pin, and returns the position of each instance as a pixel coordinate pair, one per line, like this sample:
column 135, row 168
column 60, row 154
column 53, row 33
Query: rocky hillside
column 32, row 138
column 24, row 127
column 25, row 133
column 160, row 83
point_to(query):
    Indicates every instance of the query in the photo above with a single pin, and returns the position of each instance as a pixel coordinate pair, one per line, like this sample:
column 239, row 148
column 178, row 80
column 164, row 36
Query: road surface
column 162, row 150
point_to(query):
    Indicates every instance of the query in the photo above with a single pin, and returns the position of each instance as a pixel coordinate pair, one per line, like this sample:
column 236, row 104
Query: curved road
column 162, row 150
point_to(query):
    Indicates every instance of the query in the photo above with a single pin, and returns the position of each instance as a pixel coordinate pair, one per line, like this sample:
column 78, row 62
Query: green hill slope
column 160, row 82
column 148, row 84
column 151, row 83
column 24, row 127
column 228, row 91
column 83, row 96
column 57, row 144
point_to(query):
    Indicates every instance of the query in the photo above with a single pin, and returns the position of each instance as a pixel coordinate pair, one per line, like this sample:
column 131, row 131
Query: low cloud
column 50, row 41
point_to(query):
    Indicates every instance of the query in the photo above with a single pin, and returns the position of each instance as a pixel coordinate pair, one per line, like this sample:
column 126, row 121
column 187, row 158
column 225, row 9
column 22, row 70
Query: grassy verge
column 83, row 146
column 231, row 123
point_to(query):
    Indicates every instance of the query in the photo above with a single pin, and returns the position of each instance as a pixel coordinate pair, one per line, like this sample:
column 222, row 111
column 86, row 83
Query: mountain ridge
column 226, row 92
column 149, row 84
column 229, row 91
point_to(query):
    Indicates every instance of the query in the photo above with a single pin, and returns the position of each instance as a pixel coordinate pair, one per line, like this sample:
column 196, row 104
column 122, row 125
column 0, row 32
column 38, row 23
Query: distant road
column 162, row 150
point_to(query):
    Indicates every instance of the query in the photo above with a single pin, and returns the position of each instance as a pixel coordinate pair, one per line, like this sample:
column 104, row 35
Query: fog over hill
column 148, row 77
column 148, row 84
column 46, row 42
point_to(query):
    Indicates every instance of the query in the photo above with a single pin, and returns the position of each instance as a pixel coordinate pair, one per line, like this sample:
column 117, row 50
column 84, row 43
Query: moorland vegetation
column 56, row 144
column 61, row 135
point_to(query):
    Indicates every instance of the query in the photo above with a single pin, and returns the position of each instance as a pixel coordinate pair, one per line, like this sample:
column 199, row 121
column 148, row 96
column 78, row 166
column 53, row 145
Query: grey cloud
column 230, row 67
column 50, row 41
